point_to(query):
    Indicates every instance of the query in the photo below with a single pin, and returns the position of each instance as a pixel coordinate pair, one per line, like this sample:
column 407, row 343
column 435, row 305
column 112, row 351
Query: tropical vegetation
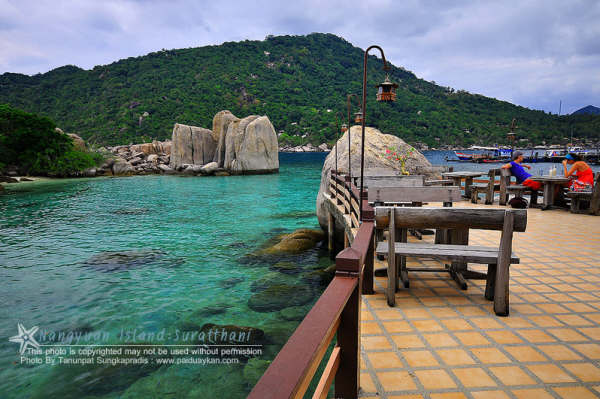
column 300, row 82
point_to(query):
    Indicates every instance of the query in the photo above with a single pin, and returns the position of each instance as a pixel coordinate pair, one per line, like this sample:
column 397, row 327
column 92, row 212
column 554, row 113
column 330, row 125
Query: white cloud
column 531, row 52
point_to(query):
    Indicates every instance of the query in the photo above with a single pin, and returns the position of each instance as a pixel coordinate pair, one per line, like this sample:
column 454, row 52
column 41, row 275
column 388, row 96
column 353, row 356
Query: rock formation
column 251, row 146
column 191, row 145
column 220, row 125
column 376, row 144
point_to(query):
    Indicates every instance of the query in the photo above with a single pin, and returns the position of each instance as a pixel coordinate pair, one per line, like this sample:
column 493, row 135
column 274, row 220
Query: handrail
column 337, row 311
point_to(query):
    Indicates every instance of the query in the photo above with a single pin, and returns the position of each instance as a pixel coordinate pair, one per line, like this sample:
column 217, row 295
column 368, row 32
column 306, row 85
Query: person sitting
column 516, row 168
column 581, row 173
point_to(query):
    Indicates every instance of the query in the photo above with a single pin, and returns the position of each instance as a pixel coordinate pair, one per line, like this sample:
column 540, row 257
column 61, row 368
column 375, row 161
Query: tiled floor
column 440, row 342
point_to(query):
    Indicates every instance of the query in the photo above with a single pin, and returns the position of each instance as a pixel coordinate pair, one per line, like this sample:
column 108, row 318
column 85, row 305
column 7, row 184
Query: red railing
column 337, row 312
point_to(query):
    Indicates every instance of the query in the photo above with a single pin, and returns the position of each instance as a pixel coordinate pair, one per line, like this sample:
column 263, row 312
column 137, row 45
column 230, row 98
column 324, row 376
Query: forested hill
column 295, row 80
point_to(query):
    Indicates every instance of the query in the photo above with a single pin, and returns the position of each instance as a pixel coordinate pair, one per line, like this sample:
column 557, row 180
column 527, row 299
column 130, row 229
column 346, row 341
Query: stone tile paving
column 440, row 342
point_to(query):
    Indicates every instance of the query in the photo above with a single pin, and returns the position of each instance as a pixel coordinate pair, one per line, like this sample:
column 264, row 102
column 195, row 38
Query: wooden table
column 549, row 182
column 458, row 176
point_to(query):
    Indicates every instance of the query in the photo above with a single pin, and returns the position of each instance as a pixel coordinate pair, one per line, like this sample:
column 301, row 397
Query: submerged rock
column 293, row 313
column 298, row 241
column 268, row 280
column 287, row 267
column 277, row 297
column 193, row 321
column 230, row 282
column 113, row 261
column 93, row 380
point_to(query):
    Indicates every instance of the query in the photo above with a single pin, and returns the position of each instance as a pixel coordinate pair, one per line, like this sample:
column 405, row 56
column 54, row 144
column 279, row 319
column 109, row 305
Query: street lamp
column 511, row 135
column 348, row 104
column 386, row 93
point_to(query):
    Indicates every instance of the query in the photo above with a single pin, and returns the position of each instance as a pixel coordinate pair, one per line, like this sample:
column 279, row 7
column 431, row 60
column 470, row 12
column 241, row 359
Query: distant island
column 301, row 82
column 589, row 110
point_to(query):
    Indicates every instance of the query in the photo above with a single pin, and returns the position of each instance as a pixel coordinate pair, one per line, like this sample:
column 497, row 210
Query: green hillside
column 292, row 79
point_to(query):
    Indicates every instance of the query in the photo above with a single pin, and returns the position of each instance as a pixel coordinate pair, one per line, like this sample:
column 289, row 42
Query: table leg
column 468, row 182
column 548, row 195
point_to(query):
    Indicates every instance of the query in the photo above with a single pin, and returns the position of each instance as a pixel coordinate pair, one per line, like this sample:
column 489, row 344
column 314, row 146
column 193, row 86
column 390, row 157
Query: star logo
column 25, row 338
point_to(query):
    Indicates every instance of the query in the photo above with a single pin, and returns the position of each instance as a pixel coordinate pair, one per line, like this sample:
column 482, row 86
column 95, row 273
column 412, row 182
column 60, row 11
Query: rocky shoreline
column 305, row 148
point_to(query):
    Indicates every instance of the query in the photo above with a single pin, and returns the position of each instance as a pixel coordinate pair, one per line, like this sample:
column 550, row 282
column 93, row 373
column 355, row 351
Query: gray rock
column 191, row 145
column 8, row 179
column 91, row 172
column 166, row 169
column 323, row 147
column 209, row 168
column 153, row 158
column 204, row 146
column 189, row 170
column 135, row 161
column 122, row 167
column 164, row 159
column 376, row 144
column 251, row 146
column 220, row 126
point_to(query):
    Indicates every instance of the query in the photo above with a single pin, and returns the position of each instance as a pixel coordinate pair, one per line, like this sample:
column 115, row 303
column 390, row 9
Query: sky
column 534, row 53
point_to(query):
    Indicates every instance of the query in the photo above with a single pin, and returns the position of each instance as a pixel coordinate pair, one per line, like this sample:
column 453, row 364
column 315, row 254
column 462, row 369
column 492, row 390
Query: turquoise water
column 188, row 241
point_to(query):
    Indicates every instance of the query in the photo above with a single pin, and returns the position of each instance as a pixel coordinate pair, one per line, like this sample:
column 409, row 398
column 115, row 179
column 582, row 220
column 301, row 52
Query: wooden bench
column 578, row 198
column 487, row 188
column 457, row 250
column 518, row 190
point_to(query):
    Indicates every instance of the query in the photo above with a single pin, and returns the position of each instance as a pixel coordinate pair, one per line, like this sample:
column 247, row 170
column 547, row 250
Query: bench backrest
column 450, row 218
column 394, row 181
column 414, row 194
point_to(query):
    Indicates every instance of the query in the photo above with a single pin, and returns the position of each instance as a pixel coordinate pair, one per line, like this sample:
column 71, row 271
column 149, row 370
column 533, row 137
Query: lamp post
column 386, row 93
column 348, row 97
column 511, row 135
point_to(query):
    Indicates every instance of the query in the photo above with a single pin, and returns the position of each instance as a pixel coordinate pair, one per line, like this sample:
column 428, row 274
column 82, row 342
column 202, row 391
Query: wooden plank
column 427, row 246
column 292, row 369
column 413, row 181
column 328, row 375
column 414, row 194
column 459, row 254
column 403, row 274
column 392, row 276
column 450, row 218
column 501, row 289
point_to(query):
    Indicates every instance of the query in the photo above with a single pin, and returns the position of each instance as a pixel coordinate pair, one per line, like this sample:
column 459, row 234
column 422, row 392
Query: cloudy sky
column 530, row 52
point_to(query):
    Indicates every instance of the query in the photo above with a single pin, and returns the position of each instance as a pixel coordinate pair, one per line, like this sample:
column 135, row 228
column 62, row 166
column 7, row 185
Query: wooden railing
column 337, row 312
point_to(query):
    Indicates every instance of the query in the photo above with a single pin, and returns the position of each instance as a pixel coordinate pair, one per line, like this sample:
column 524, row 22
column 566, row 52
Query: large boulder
column 122, row 167
column 191, row 145
column 251, row 146
column 78, row 142
column 376, row 144
column 220, row 125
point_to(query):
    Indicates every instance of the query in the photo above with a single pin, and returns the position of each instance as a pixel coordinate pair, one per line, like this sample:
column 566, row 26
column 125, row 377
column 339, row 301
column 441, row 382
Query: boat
column 492, row 154
column 463, row 157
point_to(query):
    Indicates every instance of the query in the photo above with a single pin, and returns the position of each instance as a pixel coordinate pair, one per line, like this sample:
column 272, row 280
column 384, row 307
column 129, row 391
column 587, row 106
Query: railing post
column 347, row 190
column 368, row 216
column 347, row 378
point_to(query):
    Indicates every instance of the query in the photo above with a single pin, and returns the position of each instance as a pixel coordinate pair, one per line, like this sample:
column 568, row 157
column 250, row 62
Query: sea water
column 113, row 261
column 108, row 261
